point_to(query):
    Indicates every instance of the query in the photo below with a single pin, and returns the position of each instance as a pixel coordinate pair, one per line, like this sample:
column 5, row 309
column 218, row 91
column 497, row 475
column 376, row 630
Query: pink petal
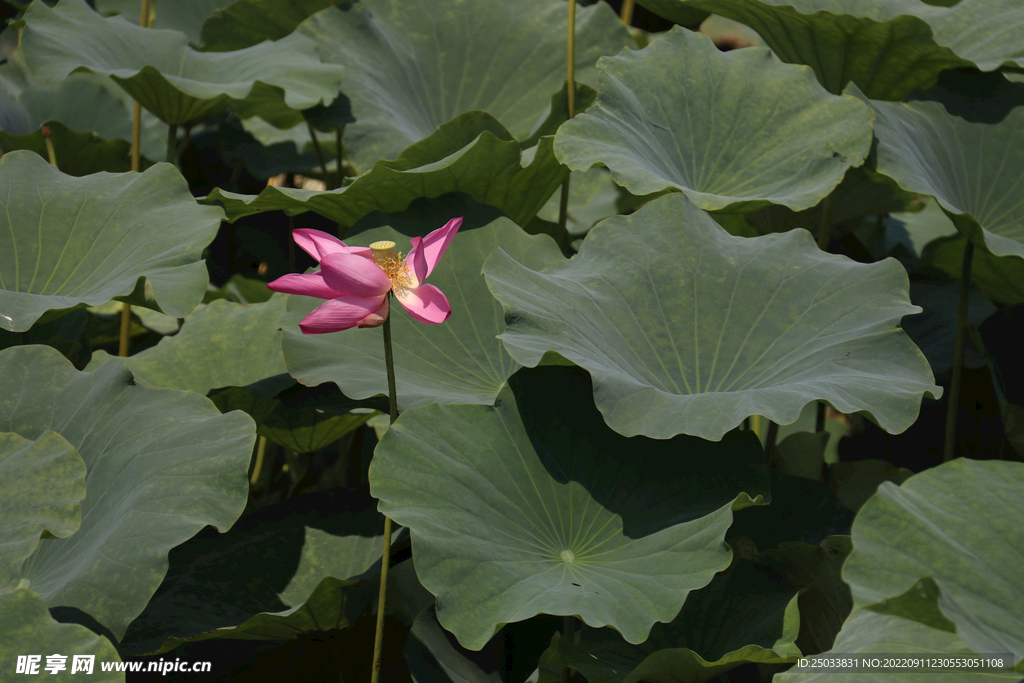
column 340, row 314
column 425, row 303
column 353, row 275
column 318, row 244
column 309, row 284
column 377, row 318
column 427, row 251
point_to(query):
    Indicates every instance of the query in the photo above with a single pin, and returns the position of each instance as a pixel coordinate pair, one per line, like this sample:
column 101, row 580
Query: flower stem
column 626, row 15
column 172, row 143
column 328, row 181
column 958, row 354
column 570, row 97
column 126, row 309
column 385, row 560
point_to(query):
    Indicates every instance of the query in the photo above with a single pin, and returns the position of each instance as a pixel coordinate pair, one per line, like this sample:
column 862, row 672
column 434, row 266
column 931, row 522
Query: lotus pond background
column 753, row 392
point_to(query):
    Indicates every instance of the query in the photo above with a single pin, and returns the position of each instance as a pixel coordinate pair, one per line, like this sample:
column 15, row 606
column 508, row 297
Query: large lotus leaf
column 26, row 628
column 974, row 170
column 269, row 563
column 306, row 430
column 90, row 125
column 68, row 242
column 245, row 23
column 529, row 507
column 170, row 79
column 867, row 634
column 887, row 47
column 472, row 153
column 459, row 361
column 746, row 614
column 411, row 66
column 222, row 344
column 80, row 153
column 999, row 278
column 825, row 601
column 908, row 233
column 689, row 330
column 434, row 656
column 45, row 484
column 160, row 466
column 862, row 192
column 186, row 16
column 957, row 525
column 737, row 130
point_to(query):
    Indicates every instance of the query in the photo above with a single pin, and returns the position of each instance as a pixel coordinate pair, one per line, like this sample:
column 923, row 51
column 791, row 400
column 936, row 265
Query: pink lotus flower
column 356, row 280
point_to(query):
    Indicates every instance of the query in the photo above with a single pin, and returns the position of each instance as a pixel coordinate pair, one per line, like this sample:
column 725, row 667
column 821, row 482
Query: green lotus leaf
column 908, row 233
column 855, row 482
column 222, row 344
column 868, row 634
column 267, row 572
column 889, row 47
column 170, row 79
column 45, row 484
column 934, row 330
column 412, row 66
column 79, row 154
column 26, row 628
column 528, row 507
column 802, row 510
column 459, row 361
column 309, row 430
column 744, row 615
column 676, row 11
column 801, row 454
column 473, row 154
column 593, row 196
column 186, row 16
column 974, row 170
column 999, row 278
column 68, row 243
column 160, row 466
column 733, row 131
column 435, row 656
column 89, row 121
column 689, row 330
column 245, row 23
column 863, row 193
column 935, row 527
column 825, row 600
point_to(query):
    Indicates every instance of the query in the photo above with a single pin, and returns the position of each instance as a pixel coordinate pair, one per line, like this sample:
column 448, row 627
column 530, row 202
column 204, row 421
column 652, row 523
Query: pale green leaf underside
column 70, row 242
column 178, row 84
column 737, row 130
column 688, row 329
column 957, row 524
column 529, row 507
column 974, row 170
column 160, row 466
